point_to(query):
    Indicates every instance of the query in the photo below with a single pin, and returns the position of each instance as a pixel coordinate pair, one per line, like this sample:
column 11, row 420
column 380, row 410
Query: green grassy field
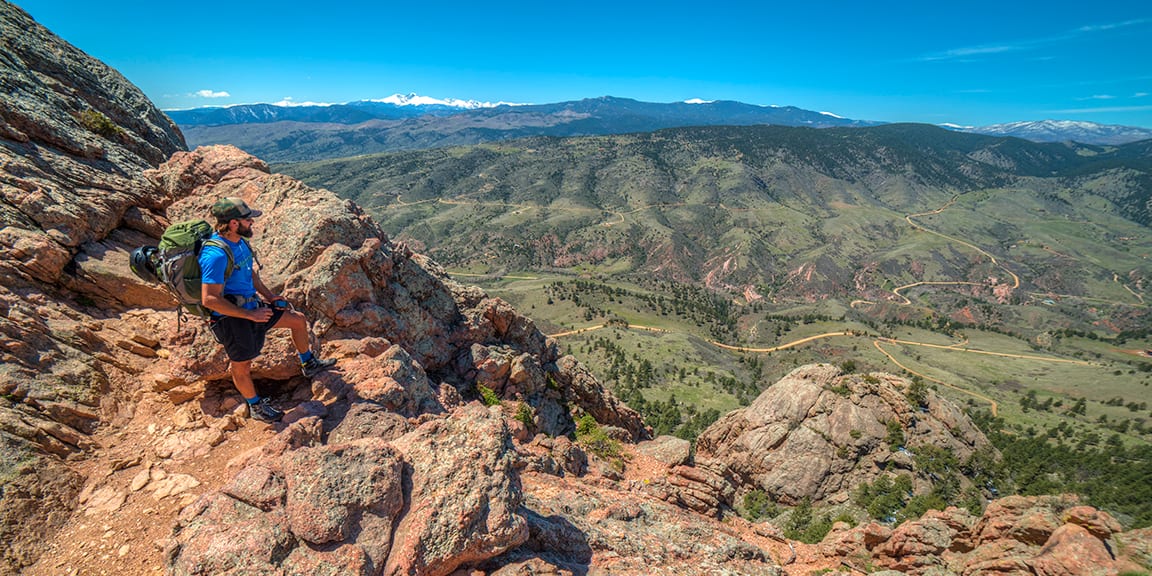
column 973, row 367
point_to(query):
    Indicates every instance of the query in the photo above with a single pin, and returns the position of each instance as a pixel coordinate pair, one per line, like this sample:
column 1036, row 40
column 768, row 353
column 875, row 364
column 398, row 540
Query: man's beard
column 245, row 230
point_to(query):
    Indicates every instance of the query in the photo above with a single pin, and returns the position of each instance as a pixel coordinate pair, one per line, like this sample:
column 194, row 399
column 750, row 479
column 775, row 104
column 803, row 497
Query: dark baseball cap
column 226, row 209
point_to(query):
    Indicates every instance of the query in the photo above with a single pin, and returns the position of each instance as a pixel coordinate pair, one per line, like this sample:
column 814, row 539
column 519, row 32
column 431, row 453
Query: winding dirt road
column 985, row 253
column 876, row 341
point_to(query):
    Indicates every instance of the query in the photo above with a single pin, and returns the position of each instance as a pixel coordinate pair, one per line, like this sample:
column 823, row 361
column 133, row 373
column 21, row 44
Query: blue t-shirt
column 213, row 261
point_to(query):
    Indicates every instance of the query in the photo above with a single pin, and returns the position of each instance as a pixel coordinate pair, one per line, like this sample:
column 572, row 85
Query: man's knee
column 242, row 367
column 292, row 319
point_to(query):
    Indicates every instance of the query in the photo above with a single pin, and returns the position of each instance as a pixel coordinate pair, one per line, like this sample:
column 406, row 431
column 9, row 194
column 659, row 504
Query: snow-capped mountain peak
column 1065, row 130
column 417, row 100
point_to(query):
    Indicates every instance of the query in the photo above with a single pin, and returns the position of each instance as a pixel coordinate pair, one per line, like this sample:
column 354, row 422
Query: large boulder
column 464, row 504
column 1030, row 520
column 583, row 527
column 1073, row 551
column 817, row 433
column 441, row 496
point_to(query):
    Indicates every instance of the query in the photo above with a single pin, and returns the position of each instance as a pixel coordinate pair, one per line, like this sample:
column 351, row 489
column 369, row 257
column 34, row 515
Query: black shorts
column 242, row 338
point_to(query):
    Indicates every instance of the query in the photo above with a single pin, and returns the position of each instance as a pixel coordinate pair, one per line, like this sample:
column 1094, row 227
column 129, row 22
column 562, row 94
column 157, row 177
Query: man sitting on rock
column 240, row 319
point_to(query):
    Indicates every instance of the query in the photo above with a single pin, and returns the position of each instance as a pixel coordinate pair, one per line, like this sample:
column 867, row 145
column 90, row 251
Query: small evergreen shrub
column 524, row 415
column 487, row 395
column 917, row 392
column 802, row 526
column 841, row 390
column 594, row 439
column 895, row 437
column 99, row 123
column 758, row 505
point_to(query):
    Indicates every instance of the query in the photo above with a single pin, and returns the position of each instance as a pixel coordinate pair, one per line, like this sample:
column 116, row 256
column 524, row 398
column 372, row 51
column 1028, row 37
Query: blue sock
column 306, row 357
column 254, row 400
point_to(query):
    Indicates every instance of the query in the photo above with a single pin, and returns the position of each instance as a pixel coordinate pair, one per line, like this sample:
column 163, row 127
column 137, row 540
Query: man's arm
column 261, row 289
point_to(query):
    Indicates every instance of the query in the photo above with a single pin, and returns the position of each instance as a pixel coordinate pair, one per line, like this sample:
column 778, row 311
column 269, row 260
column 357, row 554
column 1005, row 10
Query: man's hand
column 260, row 314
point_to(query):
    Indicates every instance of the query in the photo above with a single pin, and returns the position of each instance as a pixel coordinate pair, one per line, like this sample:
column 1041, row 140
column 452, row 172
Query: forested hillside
column 787, row 212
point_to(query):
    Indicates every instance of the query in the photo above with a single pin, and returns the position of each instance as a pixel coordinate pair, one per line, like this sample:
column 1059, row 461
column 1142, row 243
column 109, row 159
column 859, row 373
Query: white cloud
column 1102, row 109
column 698, row 101
column 212, row 94
column 963, row 54
column 1098, row 97
column 1113, row 26
column 1139, row 94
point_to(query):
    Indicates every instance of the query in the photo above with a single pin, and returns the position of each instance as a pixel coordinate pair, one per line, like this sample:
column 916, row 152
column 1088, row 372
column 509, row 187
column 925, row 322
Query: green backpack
column 177, row 263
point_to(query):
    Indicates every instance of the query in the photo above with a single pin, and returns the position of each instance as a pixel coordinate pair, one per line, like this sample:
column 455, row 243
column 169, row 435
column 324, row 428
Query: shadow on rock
column 554, row 543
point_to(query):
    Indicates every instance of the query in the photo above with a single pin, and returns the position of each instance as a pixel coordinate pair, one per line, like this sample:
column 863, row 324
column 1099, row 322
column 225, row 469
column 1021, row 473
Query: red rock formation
column 817, row 433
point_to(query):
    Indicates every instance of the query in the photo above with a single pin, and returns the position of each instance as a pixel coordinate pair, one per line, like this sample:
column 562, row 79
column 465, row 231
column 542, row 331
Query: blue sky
column 974, row 62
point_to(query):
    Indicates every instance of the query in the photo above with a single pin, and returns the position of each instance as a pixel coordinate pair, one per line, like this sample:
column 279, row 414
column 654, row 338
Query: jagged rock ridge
column 75, row 139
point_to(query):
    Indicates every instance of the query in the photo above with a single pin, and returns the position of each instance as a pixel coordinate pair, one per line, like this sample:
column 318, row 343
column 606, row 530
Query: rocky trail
column 134, row 494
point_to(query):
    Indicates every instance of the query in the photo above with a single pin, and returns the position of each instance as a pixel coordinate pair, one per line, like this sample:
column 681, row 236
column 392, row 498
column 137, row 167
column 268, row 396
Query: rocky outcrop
column 412, row 343
column 817, row 433
column 75, row 139
column 1027, row 536
column 433, row 499
column 618, row 530
column 81, row 185
column 330, row 259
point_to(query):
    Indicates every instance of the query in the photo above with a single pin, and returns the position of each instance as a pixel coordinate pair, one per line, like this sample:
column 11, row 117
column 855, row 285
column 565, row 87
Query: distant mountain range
column 393, row 107
column 303, row 133
column 1066, row 131
column 293, row 133
column 397, row 106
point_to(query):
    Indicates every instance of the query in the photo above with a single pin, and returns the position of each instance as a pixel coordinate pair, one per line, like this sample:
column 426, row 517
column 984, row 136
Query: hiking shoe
column 316, row 366
column 264, row 411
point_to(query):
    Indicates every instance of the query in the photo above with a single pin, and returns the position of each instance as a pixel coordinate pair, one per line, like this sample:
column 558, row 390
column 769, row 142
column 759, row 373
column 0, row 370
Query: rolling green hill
column 784, row 213
column 693, row 267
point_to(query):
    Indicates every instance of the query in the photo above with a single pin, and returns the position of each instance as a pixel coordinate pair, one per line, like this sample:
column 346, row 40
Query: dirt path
column 782, row 346
column 893, row 359
column 877, row 341
column 145, row 472
column 509, row 276
column 985, row 253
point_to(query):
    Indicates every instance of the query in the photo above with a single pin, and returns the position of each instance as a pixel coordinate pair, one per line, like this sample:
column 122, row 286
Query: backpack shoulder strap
column 251, row 251
column 227, row 252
